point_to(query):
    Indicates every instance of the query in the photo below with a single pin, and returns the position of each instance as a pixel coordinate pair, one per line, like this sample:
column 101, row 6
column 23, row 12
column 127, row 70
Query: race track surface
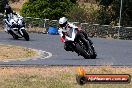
column 110, row 51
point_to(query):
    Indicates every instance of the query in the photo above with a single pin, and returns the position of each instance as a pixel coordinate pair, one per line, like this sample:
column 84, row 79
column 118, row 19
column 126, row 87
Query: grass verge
column 10, row 52
column 55, row 77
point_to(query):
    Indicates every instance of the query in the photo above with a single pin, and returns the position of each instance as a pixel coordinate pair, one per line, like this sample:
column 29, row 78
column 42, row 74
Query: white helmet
column 63, row 21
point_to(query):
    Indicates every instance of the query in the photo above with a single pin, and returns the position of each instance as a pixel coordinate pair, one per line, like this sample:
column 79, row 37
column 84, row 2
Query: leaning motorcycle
column 17, row 28
column 81, row 44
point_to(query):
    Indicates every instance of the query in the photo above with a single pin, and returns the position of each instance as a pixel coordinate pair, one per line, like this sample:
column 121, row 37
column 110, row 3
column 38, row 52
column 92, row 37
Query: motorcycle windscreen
column 69, row 33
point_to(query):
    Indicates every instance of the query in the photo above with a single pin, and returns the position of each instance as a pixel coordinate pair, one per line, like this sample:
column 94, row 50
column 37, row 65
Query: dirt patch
column 10, row 52
column 36, row 30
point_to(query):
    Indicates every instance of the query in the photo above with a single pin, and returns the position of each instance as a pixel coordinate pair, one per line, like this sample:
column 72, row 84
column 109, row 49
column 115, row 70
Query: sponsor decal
column 83, row 78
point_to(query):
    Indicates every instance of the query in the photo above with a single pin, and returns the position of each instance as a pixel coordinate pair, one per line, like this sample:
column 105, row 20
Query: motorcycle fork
column 83, row 41
column 20, row 31
column 71, row 46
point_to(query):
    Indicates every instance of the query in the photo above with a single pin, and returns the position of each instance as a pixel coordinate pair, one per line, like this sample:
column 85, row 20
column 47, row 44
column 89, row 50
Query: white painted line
column 49, row 55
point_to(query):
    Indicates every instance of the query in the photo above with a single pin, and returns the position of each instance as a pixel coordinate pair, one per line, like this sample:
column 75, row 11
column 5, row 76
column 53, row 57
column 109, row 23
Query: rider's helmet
column 8, row 9
column 63, row 22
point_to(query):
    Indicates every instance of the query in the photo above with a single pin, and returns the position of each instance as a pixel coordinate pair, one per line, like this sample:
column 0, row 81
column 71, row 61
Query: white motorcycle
column 17, row 28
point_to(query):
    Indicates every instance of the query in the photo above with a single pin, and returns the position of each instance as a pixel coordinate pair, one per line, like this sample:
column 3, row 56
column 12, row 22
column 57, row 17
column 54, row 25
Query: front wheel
column 90, row 48
column 94, row 54
column 13, row 34
column 81, row 51
column 25, row 35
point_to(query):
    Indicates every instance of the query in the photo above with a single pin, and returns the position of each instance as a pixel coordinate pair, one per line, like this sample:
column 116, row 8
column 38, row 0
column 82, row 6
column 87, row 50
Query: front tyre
column 90, row 48
column 25, row 35
column 13, row 34
column 81, row 51
column 94, row 55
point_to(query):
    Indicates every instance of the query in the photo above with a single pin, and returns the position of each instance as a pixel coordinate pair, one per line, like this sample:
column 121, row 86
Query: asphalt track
column 110, row 51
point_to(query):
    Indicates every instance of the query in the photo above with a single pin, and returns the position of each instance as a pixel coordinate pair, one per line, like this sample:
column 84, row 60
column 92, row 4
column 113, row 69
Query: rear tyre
column 25, row 35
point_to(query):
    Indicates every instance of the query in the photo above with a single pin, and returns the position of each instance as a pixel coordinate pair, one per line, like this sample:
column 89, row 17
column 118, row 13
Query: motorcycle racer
column 8, row 16
column 66, row 27
column 14, row 24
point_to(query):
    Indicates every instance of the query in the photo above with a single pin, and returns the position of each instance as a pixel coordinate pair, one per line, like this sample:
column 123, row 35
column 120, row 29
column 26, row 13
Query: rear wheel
column 25, row 35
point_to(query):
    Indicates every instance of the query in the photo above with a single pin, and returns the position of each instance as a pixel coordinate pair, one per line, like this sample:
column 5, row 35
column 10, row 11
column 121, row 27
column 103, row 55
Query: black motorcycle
column 82, row 45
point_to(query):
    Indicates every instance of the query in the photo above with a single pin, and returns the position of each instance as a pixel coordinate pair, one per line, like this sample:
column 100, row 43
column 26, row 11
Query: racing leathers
column 64, row 34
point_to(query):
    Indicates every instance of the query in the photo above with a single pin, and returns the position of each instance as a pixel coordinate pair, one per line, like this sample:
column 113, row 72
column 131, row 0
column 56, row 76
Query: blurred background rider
column 8, row 16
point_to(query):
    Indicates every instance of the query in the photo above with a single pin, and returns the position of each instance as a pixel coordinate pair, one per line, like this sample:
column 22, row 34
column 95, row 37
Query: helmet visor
column 63, row 25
